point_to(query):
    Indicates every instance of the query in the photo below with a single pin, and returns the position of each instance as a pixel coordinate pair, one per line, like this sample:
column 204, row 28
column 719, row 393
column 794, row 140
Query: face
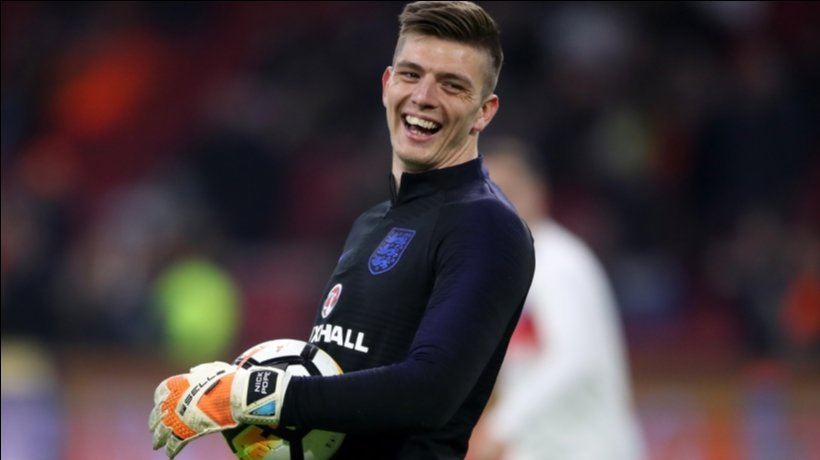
column 433, row 98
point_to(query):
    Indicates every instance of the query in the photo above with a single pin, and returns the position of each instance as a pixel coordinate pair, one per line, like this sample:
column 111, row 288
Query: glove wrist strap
column 258, row 396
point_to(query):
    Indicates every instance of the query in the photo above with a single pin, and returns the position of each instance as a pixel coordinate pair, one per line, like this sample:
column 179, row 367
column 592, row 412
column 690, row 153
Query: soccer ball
column 255, row 442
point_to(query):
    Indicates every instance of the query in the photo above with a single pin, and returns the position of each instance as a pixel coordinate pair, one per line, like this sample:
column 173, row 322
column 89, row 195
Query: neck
column 400, row 167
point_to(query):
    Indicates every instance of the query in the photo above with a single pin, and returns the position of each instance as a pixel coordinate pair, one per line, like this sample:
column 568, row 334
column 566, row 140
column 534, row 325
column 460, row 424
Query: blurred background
column 178, row 179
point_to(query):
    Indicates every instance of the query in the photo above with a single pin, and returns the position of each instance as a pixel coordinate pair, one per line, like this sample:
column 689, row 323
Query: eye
column 453, row 87
column 408, row 75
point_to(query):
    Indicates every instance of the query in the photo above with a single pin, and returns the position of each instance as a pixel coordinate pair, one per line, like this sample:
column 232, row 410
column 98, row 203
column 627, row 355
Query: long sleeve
column 483, row 264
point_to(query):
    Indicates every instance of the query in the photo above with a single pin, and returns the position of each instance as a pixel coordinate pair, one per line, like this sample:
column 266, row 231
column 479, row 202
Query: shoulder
column 482, row 207
column 482, row 221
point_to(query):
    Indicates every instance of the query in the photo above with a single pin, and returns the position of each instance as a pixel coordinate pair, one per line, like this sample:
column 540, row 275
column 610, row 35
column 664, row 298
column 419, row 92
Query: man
column 429, row 284
column 564, row 391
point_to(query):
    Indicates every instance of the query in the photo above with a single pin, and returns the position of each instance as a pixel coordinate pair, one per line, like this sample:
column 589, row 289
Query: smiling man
column 430, row 283
column 438, row 96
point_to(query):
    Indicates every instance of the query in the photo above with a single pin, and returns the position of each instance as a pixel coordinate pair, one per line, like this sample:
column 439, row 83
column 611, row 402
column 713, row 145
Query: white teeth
column 421, row 123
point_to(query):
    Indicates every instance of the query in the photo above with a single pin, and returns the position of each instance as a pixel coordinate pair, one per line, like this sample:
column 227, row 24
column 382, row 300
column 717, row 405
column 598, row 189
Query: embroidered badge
column 332, row 298
column 390, row 250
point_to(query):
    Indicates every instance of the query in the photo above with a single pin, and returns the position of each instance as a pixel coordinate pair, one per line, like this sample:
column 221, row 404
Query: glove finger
column 174, row 446
column 162, row 390
column 161, row 434
column 160, row 395
column 155, row 417
column 211, row 367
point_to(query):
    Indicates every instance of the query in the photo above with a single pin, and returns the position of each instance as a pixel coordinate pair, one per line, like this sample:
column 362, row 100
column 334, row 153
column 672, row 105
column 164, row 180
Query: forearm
column 460, row 334
column 401, row 396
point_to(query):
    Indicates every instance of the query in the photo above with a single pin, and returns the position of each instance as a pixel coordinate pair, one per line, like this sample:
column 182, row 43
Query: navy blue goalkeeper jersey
column 418, row 313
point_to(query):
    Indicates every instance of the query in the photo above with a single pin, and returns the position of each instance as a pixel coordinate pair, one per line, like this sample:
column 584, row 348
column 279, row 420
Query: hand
column 214, row 397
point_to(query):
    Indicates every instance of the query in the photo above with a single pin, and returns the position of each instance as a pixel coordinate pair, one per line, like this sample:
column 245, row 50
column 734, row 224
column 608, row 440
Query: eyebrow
column 442, row 75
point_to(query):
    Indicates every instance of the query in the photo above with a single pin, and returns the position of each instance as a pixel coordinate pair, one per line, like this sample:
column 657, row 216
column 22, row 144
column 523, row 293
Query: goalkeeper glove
column 214, row 397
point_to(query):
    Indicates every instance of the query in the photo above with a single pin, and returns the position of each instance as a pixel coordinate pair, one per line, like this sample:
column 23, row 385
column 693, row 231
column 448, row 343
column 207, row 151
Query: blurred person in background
column 429, row 285
column 564, row 390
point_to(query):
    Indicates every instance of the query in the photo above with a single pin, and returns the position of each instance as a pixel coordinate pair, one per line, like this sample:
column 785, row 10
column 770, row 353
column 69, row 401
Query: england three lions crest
column 390, row 250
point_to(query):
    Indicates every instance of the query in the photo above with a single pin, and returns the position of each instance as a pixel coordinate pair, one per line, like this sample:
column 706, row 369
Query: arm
column 483, row 265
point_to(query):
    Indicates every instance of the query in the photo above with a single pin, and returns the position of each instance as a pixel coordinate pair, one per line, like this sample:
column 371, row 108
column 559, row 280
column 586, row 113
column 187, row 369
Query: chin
column 414, row 161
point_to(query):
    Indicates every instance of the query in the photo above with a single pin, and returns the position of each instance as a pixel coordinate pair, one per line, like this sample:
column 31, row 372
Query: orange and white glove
column 214, row 397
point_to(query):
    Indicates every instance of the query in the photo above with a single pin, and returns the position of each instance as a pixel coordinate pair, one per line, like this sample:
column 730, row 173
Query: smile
column 420, row 126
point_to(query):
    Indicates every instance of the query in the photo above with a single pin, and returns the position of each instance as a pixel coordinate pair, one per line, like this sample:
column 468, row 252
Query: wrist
column 257, row 395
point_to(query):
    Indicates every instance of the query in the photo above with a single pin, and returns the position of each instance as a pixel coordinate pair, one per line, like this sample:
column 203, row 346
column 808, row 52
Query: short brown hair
column 463, row 22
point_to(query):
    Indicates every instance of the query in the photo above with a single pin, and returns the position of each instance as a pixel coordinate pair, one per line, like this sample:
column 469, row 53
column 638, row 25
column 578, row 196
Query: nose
column 424, row 93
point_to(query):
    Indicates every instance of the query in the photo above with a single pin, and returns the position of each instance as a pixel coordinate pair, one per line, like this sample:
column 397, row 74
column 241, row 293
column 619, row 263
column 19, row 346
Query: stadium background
column 150, row 149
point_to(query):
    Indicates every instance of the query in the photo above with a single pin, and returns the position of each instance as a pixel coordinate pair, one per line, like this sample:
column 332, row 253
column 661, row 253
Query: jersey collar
column 415, row 185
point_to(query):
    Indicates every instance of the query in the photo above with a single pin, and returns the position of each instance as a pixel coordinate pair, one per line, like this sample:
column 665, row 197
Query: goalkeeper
column 429, row 285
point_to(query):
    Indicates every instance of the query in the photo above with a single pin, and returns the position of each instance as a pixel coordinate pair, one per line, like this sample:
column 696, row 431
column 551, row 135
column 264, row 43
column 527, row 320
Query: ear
column 388, row 72
column 485, row 114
